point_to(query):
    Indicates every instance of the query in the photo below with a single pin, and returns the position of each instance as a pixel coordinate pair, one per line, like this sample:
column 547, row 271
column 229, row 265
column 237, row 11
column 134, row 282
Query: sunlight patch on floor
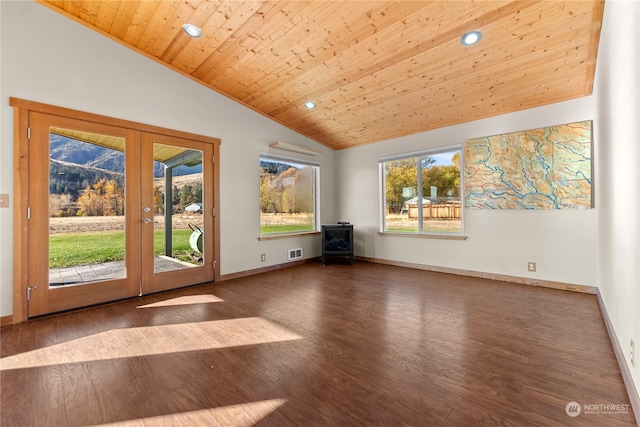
column 154, row 340
column 185, row 300
column 241, row 415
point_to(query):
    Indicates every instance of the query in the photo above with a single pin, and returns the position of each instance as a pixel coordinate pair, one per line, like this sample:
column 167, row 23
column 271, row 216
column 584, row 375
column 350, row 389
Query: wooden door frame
column 21, row 131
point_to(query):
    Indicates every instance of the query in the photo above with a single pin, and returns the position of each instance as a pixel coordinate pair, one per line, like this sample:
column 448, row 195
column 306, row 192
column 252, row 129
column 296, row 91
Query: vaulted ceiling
column 375, row 69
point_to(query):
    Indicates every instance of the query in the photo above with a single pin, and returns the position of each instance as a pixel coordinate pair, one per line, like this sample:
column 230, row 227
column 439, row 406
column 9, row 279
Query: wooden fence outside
column 437, row 210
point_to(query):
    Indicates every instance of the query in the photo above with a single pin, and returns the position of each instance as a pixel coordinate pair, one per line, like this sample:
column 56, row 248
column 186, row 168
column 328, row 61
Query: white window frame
column 418, row 155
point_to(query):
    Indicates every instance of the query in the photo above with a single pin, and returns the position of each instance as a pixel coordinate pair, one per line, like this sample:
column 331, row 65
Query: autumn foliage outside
column 287, row 198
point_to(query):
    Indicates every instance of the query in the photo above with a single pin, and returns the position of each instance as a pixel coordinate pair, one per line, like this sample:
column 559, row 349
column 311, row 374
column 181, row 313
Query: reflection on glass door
column 86, row 207
column 178, row 208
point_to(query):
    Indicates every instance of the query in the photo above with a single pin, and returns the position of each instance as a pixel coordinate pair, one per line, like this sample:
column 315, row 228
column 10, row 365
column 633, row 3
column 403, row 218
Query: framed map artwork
column 546, row 168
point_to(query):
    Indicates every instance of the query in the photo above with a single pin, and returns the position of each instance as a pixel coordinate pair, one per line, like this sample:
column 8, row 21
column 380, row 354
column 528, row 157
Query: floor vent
column 295, row 254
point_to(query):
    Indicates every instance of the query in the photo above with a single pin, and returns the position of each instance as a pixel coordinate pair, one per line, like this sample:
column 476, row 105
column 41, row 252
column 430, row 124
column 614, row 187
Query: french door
column 114, row 212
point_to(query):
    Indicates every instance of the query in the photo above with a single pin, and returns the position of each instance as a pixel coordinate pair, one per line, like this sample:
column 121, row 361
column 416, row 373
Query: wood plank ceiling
column 376, row 69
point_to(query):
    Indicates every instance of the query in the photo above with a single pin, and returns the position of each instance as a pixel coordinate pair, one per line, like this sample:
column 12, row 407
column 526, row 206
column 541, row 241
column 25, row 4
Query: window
column 288, row 195
column 434, row 206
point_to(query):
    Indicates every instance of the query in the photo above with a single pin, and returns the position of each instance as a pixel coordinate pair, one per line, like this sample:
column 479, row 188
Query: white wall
column 617, row 93
column 50, row 59
column 6, row 174
column 562, row 243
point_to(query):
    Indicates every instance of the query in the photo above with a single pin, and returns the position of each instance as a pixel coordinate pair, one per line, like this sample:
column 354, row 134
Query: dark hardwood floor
column 313, row 345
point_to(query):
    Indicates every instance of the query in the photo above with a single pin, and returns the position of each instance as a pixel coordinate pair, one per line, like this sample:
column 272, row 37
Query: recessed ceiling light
column 471, row 38
column 310, row 105
column 192, row 30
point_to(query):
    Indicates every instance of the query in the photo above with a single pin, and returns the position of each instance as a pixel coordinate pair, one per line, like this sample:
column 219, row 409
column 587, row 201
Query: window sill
column 284, row 236
column 424, row 235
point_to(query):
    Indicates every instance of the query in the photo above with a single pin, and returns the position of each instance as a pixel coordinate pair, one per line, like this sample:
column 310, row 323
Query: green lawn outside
column 68, row 250
column 285, row 228
column 403, row 229
column 415, row 230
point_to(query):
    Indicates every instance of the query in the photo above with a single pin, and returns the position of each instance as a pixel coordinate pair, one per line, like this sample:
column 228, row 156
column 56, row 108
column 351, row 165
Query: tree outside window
column 287, row 195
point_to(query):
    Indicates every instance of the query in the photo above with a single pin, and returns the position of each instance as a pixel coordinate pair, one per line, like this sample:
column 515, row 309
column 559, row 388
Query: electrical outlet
column 632, row 354
column 531, row 266
column 263, row 257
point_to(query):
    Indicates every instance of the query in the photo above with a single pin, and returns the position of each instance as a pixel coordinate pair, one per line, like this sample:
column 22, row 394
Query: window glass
column 434, row 205
column 287, row 195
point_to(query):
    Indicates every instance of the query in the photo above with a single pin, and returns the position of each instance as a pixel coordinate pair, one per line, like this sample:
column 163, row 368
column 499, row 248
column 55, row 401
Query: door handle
column 29, row 289
column 149, row 221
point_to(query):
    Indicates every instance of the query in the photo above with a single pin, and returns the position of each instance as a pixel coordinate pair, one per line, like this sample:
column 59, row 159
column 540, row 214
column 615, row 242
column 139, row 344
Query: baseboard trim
column 264, row 269
column 627, row 378
column 479, row 274
column 500, row 277
column 6, row 320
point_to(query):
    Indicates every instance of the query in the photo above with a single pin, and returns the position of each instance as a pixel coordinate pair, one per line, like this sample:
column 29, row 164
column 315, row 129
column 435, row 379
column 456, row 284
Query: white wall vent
column 294, row 254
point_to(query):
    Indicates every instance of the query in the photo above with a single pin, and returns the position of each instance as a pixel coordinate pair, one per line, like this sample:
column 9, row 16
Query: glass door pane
column 177, row 215
column 86, row 207
column 178, row 207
